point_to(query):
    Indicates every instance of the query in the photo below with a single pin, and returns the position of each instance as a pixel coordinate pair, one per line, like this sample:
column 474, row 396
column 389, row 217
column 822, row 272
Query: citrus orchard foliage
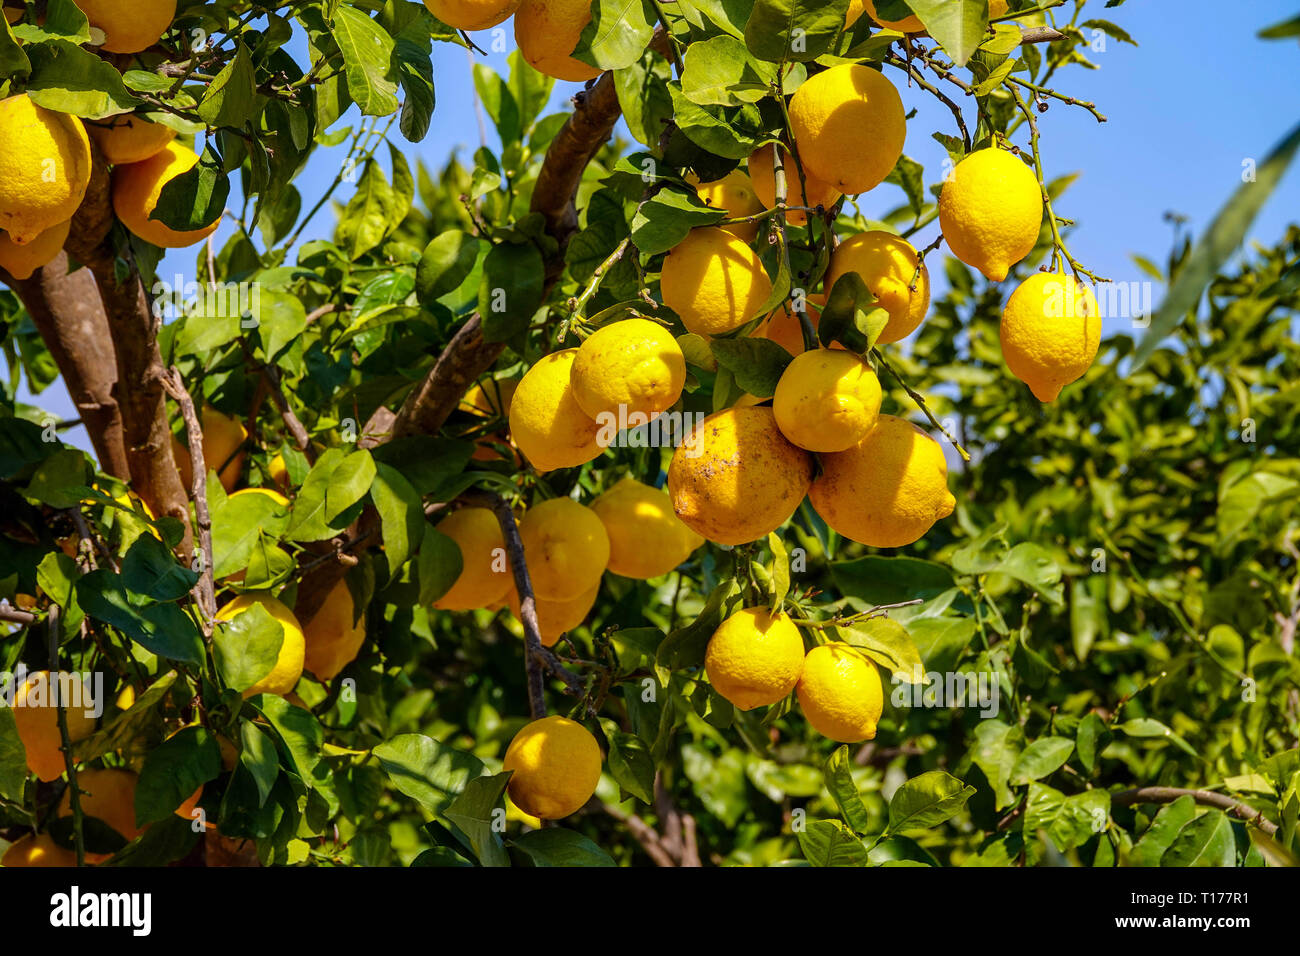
column 620, row 483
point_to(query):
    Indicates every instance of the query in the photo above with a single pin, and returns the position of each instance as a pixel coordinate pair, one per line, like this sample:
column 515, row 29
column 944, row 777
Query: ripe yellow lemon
column 137, row 186
column 827, row 400
column 21, row 261
column 735, row 194
column 886, row 491
column 754, row 658
column 785, row 329
column 1051, row 329
column 284, row 675
column 472, row 14
column 278, row 471
column 556, row 765
column 738, row 478
column 36, row 717
column 546, row 421
column 108, row 796
column 44, row 167
column 129, row 27
column 334, row 635
column 886, row 264
column 129, row 139
column 714, row 282
column 223, row 442
column 632, row 367
column 813, row 192
column 556, row 618
column 990, row 211
column 547, row 31
column 646, row 538
column 485, row 573
column 566, row 548
column 840, row 693
column 39, row 850
column 849, row 126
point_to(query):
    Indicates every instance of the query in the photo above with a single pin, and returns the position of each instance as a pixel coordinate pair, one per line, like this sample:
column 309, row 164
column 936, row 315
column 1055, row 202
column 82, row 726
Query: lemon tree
column 686, row 476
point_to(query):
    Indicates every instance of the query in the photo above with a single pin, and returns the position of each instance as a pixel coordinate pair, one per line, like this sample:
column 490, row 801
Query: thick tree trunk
column 66, row 310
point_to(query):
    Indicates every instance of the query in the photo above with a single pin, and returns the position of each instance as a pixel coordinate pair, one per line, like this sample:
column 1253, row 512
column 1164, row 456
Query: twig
column 1040, row 91
column 291, row 421
column 919, row 399
column 644, row 834
column 578, row 304
column 15, row 616
column 204, row 589
column 1041, row 35
column 65, row 738
column 1205, row 798
column 893, row 59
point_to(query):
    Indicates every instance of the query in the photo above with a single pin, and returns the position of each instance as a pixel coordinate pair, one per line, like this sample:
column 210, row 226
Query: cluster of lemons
column 875, row 479
column 46, row 159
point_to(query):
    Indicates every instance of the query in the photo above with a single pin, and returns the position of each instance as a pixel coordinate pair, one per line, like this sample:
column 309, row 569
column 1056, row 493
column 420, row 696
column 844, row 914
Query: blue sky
column 1200, row 95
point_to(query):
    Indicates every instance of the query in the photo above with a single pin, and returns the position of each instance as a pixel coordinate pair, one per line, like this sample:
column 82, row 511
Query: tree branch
column 204, row 589
column 1205, row 798
column 66, row 310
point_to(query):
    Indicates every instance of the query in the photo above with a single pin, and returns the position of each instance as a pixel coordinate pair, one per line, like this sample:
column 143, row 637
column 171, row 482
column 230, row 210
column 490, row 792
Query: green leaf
column 150, row 569
column 512, row 289
column 163, row 629
column 665, row 219
column 618, row 33
column 927, row 801
column 13, row 759
column 1042, row 757
column 802, row 30
column 239, row 523
column 247, row 647
column 1282, row 31
column 427, row 770
column 1206, row 841
column 956, row 25
column 231, row 99
column 888, row 644
column 831, row 843
column 438, row 566
column 720, row 71
column 780, row 571
column 629, row 762
column 196, row 198
column 258, row 757
column 1216, row 246
column 756, row 364
column 555, row 847
column 1034, row 565
column 13, row 61
column 401, row 515
column 1148, row 727
column 60, row 480
column 447, row 261
column 851, row 316
column 1160, row 835
column 996, row 751
column 68, row 79
column 881, row 580
column 475, row 811
column 367, row 59
column 369, row 213
column 173, row 770
column 335, row 485
column 1091, row 739
column 840, row 785
column 941, row 640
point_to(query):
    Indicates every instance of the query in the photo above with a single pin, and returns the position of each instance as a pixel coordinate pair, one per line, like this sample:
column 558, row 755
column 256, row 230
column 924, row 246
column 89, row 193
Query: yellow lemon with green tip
column 646, row 538
column 849, row 127
column 811, row 192
column 737, row 477
column 1050, row 332
column 827, row 400
column 754, row 658
column 485, row 574
column 546, row 422
column 555, row 764
column 714, row 281
column 566, row 548
column 886, row 491
column 991, row 211
column 891, row 269
column 626, row 368
column 286, row 671
column 44, row 167
column 840, row 693
column 547, row 31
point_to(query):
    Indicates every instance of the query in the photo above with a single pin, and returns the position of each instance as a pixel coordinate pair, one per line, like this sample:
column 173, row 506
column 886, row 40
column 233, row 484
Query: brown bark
column 66, row 310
